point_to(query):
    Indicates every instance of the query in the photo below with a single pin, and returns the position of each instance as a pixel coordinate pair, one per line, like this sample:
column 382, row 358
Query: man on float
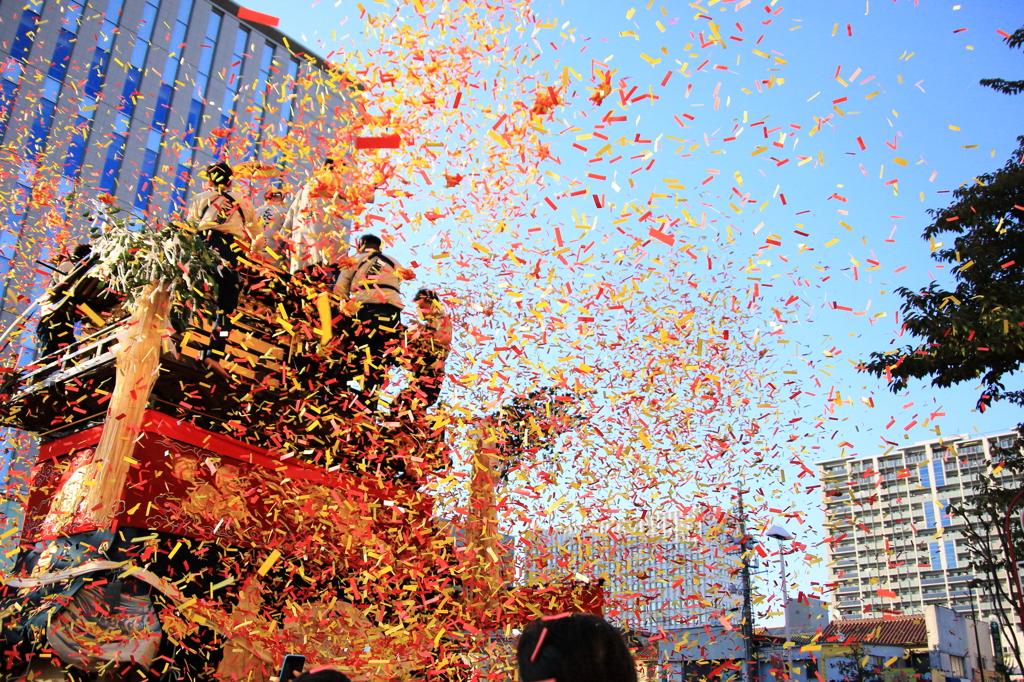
column 227, row 219
column 427, row 345
column 317, row 226
column 370, row 289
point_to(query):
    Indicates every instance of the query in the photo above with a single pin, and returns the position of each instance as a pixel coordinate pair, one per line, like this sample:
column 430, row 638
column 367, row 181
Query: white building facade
column 890, row 530
column 664, row 572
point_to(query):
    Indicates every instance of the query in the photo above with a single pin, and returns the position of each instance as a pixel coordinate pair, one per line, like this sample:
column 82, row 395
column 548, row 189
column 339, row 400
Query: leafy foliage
column 976, row 328
column 1008, row 87
column 985, row 536
column 856, row 667
column 131, row 259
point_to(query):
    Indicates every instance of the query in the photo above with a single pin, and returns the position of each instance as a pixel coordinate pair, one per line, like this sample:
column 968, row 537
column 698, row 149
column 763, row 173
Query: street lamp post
column 971, row 585
column 747, row 612
column 781, row 534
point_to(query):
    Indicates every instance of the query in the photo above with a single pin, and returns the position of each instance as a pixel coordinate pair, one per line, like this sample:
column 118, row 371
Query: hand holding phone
column 291, row 667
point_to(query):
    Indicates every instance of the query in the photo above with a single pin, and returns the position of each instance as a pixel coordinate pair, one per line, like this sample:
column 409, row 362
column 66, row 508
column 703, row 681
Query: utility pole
column 971, row 586
column 749, row 672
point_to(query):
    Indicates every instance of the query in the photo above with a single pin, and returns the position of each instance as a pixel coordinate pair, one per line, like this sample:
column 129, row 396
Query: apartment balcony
column 935, row 596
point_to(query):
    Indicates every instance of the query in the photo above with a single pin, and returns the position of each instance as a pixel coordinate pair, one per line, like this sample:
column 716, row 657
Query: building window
column 13, row 70
column 154, row 141
column 1007, row 442
column 950, row 547
column 230, row 102
column 87, row 100
column 936, row 556
column 944, row 516
column 126, row 104
column 262, row 101
column 288, row 94
column 66, row 37
column 188, row 143
column 956, row 666
column 970, row 448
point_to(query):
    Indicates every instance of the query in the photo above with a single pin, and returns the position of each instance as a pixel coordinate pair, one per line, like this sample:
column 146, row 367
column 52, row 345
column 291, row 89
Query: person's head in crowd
column 273, row 196
column 369, row 243
column 427, row 301
column 576, row 647
column 81, row 252
column 324, row 674
column 218, row 175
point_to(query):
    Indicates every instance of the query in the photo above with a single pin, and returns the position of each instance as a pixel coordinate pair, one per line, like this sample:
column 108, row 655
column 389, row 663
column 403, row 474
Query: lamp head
column 779, row 533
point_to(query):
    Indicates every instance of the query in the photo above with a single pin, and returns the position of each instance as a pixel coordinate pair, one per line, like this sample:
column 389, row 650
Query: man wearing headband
column 225, row 218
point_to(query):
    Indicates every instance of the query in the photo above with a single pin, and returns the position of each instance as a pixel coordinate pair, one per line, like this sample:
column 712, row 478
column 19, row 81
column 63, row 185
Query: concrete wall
column 806, row 614
column 947, row 631
column 952, row 634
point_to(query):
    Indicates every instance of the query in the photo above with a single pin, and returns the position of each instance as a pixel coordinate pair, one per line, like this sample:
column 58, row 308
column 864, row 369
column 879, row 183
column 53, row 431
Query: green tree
column 857, row 666
column 1008, row 87
column 984, row 534
column 974, row 328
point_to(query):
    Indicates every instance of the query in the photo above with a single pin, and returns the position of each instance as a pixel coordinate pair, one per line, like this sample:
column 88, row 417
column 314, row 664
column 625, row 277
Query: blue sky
column 926, row 75
column 909, row 74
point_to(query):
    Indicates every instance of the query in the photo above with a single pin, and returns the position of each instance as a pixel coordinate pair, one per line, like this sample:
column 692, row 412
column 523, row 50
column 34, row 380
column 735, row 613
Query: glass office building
column 667, row 571
column 130, row 98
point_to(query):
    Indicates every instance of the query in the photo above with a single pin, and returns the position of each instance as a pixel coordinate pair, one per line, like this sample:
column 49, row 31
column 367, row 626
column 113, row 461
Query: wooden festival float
column 180, row 526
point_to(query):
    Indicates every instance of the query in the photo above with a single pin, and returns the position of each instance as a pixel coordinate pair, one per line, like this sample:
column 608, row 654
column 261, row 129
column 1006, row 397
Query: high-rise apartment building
column 666, row 571
column 891, row 531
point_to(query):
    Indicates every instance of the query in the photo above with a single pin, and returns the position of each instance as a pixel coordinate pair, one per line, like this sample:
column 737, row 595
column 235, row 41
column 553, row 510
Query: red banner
column 384, row 142
column 257, row 17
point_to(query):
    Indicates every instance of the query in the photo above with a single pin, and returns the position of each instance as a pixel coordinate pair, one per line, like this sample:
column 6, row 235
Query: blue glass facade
column 162, row 108
column 260, row 102
column 950, row 549
column 89, row 97
column 128, row 98
column 15, row 66
column 54, row 81
column 129, row 93
column 228, row 117
column 190, row 135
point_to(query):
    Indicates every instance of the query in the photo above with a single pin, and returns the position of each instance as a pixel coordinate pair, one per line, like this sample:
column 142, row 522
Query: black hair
column 580, row 647
column 370, row 240
column 426, row 295
column 325, row 675
column 81, row 251
column 219, row 173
